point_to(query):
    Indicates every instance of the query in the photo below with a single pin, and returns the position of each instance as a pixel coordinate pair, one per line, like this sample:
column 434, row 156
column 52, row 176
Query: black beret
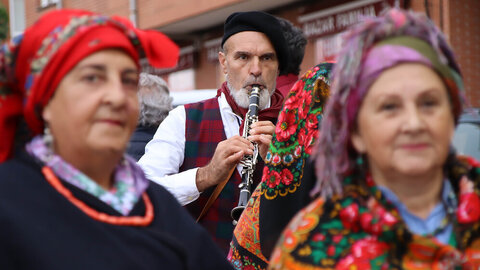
column 259, row 22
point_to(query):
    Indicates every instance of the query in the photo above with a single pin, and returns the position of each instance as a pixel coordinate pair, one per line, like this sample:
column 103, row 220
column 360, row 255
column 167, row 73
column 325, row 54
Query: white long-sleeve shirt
column 164, row 154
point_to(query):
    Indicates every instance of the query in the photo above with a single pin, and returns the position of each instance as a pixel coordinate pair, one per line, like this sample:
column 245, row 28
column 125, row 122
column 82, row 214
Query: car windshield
column 467, row 140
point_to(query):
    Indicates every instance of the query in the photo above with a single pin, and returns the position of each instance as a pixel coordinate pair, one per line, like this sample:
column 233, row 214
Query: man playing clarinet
column 199, row 145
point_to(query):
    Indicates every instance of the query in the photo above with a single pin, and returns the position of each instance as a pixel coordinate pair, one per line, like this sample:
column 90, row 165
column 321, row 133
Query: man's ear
column 358, row 143
column 222, row 58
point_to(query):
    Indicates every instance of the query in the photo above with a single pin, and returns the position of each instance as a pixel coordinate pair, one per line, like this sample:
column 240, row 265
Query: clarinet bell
column 236, row 213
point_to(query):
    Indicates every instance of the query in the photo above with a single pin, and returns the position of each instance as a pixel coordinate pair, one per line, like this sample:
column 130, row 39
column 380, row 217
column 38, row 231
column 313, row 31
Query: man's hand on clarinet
column 226, row 157
column 261, row 132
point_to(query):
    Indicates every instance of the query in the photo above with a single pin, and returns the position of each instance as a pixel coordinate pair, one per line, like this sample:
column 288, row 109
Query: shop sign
column 213, row 47
column 327, row 48
column 337, row 19
column 186, row 60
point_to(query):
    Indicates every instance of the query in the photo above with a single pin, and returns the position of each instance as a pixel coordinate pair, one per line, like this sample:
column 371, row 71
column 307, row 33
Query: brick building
column 196, row 26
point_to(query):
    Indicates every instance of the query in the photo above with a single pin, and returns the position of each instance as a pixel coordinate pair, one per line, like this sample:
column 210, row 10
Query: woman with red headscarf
column 69, row 197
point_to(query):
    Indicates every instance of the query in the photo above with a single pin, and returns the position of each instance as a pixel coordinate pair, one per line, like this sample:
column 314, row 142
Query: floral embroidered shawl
column 362, row 230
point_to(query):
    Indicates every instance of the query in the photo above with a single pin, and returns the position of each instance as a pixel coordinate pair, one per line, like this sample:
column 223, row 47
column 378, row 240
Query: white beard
column 241, row 96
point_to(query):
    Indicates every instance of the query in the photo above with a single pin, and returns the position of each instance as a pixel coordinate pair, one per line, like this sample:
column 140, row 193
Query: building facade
column 197, row 27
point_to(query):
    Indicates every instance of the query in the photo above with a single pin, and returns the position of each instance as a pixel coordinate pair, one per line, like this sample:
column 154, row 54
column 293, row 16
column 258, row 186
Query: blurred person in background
column 196, row 151
column 392, row 194
column 155, row 103
column 71, row 198
column 286, row 182
column 296, row 43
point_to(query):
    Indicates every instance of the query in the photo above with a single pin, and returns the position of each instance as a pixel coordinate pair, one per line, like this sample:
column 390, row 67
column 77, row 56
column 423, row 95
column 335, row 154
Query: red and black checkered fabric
column 204, row 130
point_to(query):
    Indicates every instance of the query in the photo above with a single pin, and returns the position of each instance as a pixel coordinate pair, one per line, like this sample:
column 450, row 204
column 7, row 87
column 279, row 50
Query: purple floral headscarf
column 397, row 36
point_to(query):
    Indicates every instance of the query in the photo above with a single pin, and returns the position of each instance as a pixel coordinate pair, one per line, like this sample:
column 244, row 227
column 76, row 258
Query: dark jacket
column 42, row 229
column 140, row 137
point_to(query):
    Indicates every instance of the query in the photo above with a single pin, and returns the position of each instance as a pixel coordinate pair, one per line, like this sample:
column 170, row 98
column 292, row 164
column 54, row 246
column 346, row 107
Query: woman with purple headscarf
column 391, row 192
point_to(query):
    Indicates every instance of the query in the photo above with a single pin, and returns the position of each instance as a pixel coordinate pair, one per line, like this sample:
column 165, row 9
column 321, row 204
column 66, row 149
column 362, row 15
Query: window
column 17, row 17
column 47, row 3
column 467, row 139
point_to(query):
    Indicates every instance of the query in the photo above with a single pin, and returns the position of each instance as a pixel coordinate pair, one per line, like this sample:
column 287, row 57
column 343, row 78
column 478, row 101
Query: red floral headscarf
column 32, row 65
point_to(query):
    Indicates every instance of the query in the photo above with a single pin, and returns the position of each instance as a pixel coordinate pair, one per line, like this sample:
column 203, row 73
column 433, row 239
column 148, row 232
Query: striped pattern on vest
column 203, row 131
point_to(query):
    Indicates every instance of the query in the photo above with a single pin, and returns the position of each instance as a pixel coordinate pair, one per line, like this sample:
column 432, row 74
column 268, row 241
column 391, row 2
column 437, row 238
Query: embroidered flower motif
column 377, row 218
column 331, row 251
column 471, row 161
column 302, row 137
column 298, row 151
column 368, row 248
column 337, row 238
column 317, row 237
column 268, row 157
column 288, row 159
column 428, row 253
column 311, row 73
column 309, row 141
column 469, row 207
column 473, row 253
column 388, row 219
column 350, row 262
column 466, row 186
column 369, row 181
column 272, row 178
column 290, row 240
column 308, row 222
column 306, row 139
column 349, row 216
column 301, row 103
column 287, row 126
column 287, row 177
column 294, row 101
column 306, row 100
column 230, row 254
column 276, row 159
column 364, row 251
column 240, row 261
column 297, row 87
column 367, row 224
column 312, row 122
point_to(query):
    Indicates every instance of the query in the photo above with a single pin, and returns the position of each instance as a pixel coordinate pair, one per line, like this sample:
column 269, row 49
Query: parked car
column 185, row 97
column 466, row 139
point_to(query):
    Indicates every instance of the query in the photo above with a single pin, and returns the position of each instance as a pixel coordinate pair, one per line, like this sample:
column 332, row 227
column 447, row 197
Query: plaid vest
column 203, row 131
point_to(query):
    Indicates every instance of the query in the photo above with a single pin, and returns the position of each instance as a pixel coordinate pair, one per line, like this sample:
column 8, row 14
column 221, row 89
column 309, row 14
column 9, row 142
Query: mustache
column 258, row 81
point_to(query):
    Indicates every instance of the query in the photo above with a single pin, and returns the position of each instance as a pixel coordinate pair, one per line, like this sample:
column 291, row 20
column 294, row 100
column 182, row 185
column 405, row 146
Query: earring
column 359, row 160
column 48, row 138
column 361, row 166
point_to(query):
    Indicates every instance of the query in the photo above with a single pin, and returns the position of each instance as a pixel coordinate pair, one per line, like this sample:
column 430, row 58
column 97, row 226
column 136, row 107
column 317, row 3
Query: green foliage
column 3, row 23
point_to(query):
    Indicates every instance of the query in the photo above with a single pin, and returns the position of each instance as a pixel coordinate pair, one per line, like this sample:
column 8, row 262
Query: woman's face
column 405, row 123
column 95, row 106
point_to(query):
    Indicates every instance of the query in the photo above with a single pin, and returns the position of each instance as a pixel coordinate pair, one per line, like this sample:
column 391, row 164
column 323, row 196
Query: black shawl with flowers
column 283, row 192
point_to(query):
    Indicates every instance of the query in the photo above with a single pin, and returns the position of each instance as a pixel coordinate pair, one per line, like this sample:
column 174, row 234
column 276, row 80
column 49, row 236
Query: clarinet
column 248, row 161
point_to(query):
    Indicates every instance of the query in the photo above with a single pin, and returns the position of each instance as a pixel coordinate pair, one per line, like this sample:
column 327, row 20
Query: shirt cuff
column 188, row 186
column 182, row 185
